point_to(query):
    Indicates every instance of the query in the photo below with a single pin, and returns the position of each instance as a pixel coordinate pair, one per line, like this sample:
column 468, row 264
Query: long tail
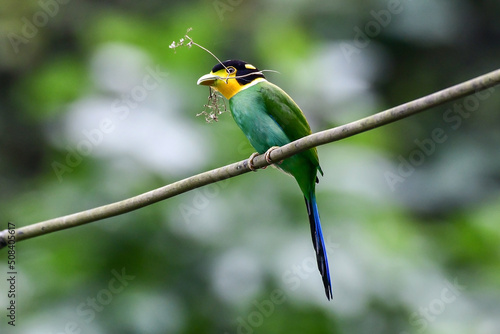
column 319, row 243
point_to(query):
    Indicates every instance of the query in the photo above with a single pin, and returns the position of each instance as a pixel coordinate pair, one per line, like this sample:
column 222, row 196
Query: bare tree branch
column 391, row 115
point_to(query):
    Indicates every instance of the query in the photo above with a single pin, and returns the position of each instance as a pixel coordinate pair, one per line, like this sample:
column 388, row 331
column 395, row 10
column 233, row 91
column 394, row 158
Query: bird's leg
column 267, row 155
column 250, row 161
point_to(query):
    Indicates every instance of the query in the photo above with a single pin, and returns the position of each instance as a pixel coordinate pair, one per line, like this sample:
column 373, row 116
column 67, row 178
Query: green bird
column 269, row 117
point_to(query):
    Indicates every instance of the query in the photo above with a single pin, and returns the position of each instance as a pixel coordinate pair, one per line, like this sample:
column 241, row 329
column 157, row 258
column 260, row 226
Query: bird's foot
column 267, row 155
column 251, row 166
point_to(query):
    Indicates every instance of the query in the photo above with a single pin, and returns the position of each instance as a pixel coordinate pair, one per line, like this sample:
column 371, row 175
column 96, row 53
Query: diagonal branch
column 320, row 138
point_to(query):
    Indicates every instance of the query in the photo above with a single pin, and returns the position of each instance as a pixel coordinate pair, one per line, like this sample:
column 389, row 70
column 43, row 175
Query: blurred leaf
column 46, row 92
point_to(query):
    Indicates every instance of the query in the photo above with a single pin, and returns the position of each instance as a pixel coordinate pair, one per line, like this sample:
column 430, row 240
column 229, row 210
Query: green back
column 269, row 117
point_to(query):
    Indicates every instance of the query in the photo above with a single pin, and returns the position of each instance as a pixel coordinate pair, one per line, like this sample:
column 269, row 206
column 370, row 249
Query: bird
column 269, row 118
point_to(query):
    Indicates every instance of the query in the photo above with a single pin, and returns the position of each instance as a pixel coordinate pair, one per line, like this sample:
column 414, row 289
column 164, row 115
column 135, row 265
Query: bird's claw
column 251, row 166
column 267, row 155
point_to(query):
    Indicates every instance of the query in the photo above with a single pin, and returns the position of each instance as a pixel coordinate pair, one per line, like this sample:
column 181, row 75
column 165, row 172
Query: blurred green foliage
column 415, row 255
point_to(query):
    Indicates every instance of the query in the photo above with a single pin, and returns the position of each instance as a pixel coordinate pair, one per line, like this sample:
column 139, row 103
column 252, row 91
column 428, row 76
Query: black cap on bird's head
column 230, row 76
column 245, row 72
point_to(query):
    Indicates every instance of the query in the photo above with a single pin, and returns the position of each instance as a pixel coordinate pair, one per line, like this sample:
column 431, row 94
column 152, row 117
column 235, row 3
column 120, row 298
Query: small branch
column 391, row 115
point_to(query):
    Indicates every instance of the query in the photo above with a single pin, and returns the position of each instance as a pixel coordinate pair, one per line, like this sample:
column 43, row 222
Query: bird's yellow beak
column 207, row 80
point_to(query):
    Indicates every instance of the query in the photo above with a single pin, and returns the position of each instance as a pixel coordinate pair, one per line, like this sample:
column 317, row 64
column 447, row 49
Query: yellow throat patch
column 227, row 85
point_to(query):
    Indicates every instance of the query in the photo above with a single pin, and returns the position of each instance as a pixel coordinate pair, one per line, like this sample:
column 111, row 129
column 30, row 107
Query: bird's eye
column 230, row 70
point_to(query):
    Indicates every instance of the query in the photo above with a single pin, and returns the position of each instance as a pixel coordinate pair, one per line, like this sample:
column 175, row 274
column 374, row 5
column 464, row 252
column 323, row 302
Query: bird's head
column 231, row 76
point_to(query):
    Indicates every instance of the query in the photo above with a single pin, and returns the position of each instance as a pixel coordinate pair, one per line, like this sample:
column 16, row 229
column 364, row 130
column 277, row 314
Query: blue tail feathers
column 319, row 243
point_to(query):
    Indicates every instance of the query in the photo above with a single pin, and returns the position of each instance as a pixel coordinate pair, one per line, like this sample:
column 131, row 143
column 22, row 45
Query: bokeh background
column 95, row 108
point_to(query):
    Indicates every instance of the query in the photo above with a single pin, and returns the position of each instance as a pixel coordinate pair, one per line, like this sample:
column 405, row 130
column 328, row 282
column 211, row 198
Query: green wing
column 287, row 114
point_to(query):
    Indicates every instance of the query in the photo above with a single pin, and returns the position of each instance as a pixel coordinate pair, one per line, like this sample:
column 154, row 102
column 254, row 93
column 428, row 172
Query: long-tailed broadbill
column 269, row 117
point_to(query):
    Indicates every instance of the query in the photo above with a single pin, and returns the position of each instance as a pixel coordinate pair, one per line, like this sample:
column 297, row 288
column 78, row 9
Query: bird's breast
column 249, row 112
